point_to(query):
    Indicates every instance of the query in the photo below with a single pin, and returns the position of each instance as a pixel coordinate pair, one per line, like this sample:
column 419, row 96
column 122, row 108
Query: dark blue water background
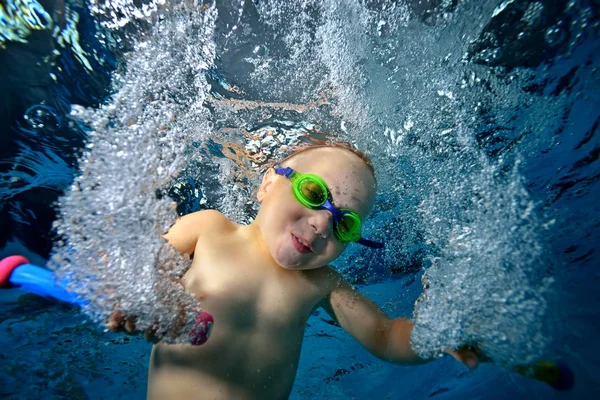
column 47, row 349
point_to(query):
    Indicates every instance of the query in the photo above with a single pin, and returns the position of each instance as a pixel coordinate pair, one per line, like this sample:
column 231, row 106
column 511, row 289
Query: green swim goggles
column 312, row 192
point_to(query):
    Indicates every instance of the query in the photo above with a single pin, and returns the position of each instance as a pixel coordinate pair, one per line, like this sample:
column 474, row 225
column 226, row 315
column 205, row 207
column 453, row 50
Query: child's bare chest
column 241, row 291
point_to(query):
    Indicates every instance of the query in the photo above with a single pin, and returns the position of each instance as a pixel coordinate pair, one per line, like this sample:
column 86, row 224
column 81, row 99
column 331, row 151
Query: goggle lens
column 313, row 192
column 348, row 228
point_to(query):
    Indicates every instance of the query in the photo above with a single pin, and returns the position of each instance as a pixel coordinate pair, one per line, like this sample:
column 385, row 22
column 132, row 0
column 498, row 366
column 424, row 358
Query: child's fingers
column 150, row 336
column 466, row 355
column 130, row 324
column 481, row 356
column 470, row 358
column 119, row 322
column 116, row 321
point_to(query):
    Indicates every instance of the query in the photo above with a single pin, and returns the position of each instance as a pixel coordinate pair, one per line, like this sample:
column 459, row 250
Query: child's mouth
column 299, row 246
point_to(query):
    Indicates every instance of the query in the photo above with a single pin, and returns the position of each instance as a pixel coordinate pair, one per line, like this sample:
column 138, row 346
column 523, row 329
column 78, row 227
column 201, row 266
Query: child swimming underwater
column 262, row 281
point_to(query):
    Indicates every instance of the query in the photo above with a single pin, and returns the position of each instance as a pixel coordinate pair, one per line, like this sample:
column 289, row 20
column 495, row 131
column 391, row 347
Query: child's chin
column 292, row 265
column 292, row 261
column 298, row 267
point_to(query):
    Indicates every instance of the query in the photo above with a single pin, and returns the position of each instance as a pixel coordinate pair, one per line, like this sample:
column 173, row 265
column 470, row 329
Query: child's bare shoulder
column 189, row 229
column 205, row 220
column 213, row 217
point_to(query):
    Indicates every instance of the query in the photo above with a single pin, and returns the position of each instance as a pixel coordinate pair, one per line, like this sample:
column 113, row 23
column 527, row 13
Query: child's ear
column 266, row 183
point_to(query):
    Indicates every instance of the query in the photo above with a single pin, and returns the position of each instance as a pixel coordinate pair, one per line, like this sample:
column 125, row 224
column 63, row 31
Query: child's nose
column 322, row 222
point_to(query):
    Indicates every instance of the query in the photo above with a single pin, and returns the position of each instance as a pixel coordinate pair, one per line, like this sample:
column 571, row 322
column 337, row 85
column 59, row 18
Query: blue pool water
column 481, row 117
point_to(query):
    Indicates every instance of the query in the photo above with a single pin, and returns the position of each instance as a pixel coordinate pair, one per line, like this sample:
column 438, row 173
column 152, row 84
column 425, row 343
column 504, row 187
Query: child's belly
column 229, row 366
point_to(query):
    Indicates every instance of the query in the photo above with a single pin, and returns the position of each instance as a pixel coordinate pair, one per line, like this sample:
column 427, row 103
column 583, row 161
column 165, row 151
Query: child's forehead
column 330, row 155
column 342, row 162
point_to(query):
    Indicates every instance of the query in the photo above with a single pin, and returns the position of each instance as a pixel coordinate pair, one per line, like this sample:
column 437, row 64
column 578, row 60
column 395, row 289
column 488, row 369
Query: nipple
column 202, row 328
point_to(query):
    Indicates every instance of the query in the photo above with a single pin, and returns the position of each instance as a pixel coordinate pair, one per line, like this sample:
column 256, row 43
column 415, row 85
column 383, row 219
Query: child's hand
column 121, row 323
column 468, row 355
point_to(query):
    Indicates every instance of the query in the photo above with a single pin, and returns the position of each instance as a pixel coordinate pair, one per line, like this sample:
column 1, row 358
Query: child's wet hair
column 328, row 143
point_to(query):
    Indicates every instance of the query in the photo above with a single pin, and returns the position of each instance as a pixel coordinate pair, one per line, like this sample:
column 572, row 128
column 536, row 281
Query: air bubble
column 42, row 117
column 554, row 36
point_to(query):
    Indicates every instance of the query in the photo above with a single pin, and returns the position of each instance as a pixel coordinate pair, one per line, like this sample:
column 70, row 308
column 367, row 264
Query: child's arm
column 387, row 339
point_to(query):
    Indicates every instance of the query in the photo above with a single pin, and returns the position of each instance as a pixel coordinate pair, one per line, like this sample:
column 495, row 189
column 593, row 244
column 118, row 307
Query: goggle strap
column 370, row 243
column 287, row 172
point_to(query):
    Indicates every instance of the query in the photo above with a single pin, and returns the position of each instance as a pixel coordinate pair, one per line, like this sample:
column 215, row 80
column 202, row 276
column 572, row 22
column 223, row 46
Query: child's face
column 301, row 238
